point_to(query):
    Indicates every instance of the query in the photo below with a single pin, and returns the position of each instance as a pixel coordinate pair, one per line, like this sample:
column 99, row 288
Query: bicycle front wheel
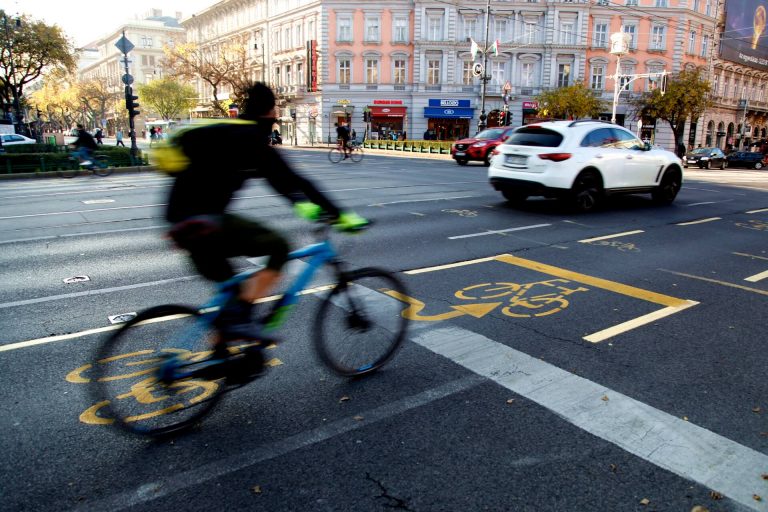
column 335, row 155
column 101, row 166
column 359, row 325
column 357, row 154
column 127, row 385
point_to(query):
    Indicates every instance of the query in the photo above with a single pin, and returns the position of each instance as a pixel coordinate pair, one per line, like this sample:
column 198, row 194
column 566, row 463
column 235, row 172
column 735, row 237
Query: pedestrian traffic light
column 130, row 101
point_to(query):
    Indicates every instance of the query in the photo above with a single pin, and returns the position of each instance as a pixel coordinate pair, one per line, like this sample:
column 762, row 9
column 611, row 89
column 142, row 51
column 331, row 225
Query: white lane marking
column 700, row 221
column 93, row 233
column 175, row 482
column 449, row 265
column 761, row 210
column 603, row 335
column 419, row 214
column 420, row 200
column 703, row 203
column 498, row 231
column 753, row 256
column 81, row 211
column 757, row 277
column 606, row 237
column 656, row 436
column 98, row 201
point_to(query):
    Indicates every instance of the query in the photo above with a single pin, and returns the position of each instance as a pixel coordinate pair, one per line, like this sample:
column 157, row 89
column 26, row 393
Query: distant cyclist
column 203, row 190
column 342, row 134
column 85, row 145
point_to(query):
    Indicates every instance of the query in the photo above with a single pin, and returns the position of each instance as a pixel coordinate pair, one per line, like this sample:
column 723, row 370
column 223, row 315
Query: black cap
column 259, row 100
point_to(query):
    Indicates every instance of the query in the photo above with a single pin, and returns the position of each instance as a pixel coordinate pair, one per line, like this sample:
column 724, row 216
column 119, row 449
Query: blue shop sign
column 448, row 103
column 449, row 113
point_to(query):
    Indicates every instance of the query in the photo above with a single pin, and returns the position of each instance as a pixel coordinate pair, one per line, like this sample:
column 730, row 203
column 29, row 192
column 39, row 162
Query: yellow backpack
column 168, row 155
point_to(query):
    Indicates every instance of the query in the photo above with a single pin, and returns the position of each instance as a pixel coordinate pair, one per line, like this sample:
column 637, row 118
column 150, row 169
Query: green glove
column 350, row 222
column 307, row 210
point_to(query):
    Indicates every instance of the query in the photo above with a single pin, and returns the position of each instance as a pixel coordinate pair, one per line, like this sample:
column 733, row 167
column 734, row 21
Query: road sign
column 127, row 79
column 507, row 87
column 477, row 69
column 124, row 45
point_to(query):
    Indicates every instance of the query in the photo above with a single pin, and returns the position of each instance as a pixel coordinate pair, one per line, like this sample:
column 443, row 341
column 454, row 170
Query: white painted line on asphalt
column 177, row 481
column 499, row 231
column 717, row 281
column 603, row 335
column 757, row 277
column 98, row 201
column 753, row 256
column 52, row 339
column 761, row 210
column 420, row 200
column 82, row 211
column 700, row 221
column 449, row 265
column 70, row 235
column 705, row 202
column 606, row 237
column 653, row 435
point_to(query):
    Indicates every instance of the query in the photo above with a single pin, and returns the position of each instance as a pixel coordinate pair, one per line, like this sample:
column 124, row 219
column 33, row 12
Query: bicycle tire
column 335, row 155
column 101, row 166
column 125, row 373
column 356, row 154
column 360, row 304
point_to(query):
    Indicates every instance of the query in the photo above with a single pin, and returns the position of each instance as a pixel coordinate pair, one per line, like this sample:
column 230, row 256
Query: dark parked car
column 706, row 158
column 479, row 147
column 746, row 159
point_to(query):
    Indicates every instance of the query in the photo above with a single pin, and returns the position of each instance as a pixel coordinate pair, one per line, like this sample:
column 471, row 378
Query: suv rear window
column 535, row 136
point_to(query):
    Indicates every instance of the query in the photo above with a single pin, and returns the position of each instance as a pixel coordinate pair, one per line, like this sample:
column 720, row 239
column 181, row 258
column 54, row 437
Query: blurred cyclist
column 342, row 134
column 85, row 145
column 204, row 188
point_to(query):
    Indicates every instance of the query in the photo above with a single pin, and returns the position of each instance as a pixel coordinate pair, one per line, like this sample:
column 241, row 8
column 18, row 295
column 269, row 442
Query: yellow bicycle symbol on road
column 520, row 300
column 757, row 225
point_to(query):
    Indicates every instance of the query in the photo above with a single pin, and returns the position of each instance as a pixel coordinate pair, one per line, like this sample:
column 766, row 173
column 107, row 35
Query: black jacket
column 85, row 140
column 223, row 157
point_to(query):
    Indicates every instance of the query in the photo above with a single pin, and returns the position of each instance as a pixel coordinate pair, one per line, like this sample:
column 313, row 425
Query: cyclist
column 85, row 145
column 204, row 188
column 342, row 134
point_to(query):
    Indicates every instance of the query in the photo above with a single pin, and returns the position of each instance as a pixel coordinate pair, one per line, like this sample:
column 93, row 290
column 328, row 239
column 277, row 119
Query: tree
column 98, row 98
column 167, row 97
column 28, row 48
column 572, row 102
column 686, row 96
column 223, row 65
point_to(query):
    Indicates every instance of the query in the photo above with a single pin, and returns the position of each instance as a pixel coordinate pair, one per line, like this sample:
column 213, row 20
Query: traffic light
column 130, row 101
column 502, row 118
column 663, row 86
column 366, row 116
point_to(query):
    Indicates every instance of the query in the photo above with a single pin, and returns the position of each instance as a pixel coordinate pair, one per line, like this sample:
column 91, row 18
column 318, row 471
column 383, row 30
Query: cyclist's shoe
column 86, row 163
column 235, row 322
column 350, row 222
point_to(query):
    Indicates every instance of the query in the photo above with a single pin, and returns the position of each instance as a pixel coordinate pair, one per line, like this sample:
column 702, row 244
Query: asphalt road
column 556, row 361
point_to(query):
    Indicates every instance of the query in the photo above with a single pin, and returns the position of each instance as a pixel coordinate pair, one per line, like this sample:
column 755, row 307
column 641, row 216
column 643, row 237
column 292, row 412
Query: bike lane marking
column 664, row 440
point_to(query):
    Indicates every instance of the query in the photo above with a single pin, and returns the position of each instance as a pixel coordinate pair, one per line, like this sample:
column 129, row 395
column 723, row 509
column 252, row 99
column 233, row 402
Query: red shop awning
column 387, row 111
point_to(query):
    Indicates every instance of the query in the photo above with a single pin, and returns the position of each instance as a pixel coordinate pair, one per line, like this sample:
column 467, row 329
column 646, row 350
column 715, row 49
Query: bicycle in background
column 99, row 166
column 158, row 374
column 354, row 148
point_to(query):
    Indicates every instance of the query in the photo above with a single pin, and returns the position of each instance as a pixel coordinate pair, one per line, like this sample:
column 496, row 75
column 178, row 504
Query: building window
column 626, row 69
column 726, row 86
column 696, row 5
column 470, row 27
column 704, row 45
column 311, row 29
column 526, row 74
column 563, row 75
column 278, row 77
column 500, row 29
column 716, row 85
column 344, row 28
column 287, row 38
column 288, row 76
column 345, row 70
column 146, row 42
column 567, row 32
column 435, row 28
column 597, row 78
column 653, row 83
column 498, row 73
column 632, row 2
column 467, row 78
column 433, row 71
column 401, row 29
column 600, row 35
column 299, row 73
column 661, row 3
column 372, row 71
column 529, row 32
column 658, row 37
column 708, row 7
column 372, row 29
column 399, row 72
column 631, row 29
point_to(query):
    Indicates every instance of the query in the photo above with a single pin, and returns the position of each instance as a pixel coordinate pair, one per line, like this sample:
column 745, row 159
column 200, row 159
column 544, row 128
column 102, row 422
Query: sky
column 84, row 21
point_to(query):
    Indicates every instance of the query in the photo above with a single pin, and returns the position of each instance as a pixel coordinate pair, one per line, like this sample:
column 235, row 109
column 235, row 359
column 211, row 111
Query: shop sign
column 531, row 105
column 437, row 102
column 387, row 102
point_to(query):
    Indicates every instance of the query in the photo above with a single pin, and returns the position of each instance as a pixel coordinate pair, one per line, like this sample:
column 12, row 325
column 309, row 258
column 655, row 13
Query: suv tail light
column 555, row 157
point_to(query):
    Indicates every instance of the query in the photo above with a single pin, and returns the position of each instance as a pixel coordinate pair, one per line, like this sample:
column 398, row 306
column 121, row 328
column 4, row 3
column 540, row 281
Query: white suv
column 582, row 161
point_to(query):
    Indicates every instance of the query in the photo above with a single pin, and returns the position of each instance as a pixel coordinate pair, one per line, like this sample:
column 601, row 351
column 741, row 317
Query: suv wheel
column 758, row 165
column 585, row 193
column 487, row 159
column 667, row 190
column 724, row 164
column 461, row 161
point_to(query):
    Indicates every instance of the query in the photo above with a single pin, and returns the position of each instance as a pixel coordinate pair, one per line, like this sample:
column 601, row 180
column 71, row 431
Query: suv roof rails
column 579, row 121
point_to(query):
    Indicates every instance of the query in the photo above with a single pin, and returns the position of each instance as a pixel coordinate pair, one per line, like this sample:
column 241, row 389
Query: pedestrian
column 99, row 136
column 152, row 135
column 119, row 138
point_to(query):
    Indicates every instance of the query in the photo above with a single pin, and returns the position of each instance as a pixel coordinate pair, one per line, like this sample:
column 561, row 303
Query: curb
column 55, row 174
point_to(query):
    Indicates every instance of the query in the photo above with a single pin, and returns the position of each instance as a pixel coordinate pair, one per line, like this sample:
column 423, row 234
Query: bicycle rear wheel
column 126, row 382
column 101, row 166
column 357, row 154
column 335, row 155
column 359, row 326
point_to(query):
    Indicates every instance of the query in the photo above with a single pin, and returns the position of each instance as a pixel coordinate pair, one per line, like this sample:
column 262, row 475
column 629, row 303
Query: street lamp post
column 17, row 115
column 619, row 48
column 481, row 124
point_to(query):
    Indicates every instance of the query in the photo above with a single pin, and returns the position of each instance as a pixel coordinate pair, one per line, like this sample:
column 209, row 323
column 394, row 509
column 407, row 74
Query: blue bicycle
column 158, row 373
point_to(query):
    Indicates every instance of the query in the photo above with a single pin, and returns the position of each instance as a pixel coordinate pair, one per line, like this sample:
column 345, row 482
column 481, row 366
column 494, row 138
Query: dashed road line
column 699, row 221
column 498, row 231
column 761, row 210
column 606, row 237
column 717, row 281
column 757, row 277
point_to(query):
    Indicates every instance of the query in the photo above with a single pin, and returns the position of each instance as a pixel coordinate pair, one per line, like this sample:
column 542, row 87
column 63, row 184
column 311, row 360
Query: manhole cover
column 121, row 318
column 76, row 279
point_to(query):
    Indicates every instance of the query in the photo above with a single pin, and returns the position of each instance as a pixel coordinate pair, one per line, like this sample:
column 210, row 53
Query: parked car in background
column 706, row 158
column 479, row 147
column 15, row 138
column 581, row 162
column 747, row 159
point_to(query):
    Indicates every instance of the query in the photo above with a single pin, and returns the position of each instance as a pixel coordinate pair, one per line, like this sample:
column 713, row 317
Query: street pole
column 481, row 124
column 619, row 47
column 17, row 116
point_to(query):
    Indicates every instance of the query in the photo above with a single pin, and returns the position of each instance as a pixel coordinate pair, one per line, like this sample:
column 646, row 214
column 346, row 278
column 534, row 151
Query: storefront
column 448, row 119
column 387, row 118
column 530, row 111
column 340, row 112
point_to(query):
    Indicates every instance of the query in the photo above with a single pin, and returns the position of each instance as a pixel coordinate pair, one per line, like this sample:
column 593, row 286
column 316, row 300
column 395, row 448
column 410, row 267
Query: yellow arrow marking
column 415, row 306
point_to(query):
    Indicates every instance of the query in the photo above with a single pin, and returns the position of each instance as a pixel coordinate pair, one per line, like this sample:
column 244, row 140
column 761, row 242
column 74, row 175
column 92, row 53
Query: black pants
column 211, row 241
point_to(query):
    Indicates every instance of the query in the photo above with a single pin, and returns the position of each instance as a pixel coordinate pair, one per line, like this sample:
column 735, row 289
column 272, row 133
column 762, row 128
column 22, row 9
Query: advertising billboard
column 744, row 39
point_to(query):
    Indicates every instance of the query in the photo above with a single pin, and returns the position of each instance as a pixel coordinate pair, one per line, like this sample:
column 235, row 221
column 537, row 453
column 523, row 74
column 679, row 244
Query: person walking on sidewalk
column 119, row 138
